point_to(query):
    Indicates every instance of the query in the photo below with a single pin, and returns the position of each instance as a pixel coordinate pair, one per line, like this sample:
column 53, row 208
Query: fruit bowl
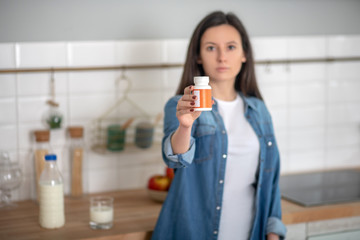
column 156, row 195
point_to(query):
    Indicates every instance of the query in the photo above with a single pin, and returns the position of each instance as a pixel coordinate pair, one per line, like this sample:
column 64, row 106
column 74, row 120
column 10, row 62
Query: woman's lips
column 222, row 69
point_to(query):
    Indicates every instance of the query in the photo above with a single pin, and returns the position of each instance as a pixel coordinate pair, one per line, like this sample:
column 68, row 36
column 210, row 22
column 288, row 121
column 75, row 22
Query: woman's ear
column 243, row 59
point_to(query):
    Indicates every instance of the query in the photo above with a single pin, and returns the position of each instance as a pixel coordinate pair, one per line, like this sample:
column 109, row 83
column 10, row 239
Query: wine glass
column 10, row 178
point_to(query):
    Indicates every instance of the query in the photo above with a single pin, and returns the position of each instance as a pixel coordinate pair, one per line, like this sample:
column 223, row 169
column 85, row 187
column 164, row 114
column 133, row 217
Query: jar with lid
column 41, row 148
column 53, row 117
column 77, row 156
column 51, row 191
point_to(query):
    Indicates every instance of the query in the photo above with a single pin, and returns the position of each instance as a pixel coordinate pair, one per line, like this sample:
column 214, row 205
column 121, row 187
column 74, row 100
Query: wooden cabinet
column 342, row 228
column 351, row 235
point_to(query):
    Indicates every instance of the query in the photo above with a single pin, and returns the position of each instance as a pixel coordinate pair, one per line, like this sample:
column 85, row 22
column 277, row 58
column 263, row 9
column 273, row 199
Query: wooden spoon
column 127, row 123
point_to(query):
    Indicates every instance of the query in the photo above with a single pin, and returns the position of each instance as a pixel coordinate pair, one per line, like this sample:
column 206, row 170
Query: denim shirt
column 192, row 208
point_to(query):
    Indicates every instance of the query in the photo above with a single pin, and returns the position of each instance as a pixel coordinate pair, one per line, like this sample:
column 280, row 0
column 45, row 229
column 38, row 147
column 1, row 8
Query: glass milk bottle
column 77, row 155
column 51, row 195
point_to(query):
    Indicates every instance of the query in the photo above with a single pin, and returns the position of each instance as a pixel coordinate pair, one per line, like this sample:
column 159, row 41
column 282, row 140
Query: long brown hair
column 245, row 81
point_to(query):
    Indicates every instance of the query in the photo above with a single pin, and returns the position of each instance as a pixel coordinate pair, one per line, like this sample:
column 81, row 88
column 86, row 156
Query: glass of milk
column 101, row 212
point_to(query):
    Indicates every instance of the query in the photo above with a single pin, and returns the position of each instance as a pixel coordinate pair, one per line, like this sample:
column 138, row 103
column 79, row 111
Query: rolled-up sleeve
column 275, row 225
column 178, row 160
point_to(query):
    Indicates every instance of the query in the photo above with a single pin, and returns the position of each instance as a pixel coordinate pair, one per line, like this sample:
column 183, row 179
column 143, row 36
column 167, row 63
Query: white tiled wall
column 315, row 106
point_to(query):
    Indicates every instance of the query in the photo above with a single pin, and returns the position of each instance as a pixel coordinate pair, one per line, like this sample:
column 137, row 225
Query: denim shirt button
column 223, row 131
column 221, row 181
column 215, row 232
column 269, row 143
column 218, row 208
column 224, row 156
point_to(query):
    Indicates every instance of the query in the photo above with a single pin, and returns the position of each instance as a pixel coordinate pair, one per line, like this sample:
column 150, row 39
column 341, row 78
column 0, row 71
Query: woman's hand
column 185, row 108
column 180, row 140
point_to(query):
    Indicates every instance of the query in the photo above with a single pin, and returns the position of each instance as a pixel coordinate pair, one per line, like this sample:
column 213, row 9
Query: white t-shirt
column 242, row 162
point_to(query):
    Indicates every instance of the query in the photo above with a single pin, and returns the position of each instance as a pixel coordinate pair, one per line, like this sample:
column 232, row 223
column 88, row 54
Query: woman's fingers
column 185, row 111
column 187, row 101
column 188, row 90
column 186, row 104
column 188, row 97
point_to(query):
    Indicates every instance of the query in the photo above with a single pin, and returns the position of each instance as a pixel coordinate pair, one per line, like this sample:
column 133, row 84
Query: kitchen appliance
column 319, row 188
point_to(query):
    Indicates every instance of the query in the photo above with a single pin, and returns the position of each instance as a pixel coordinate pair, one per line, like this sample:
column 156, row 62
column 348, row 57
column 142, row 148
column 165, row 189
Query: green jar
column 116, row 137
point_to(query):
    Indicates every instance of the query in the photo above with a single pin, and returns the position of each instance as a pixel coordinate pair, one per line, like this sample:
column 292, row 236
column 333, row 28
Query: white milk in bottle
column 52, row 212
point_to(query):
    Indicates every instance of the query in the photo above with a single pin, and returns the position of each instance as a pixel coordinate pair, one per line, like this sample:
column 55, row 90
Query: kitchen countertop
column 134, row 217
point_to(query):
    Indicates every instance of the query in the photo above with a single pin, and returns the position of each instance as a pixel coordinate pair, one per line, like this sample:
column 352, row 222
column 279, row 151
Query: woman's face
column 221, row 53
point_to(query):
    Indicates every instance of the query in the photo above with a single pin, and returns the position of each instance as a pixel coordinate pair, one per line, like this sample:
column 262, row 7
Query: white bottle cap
column 201, row 80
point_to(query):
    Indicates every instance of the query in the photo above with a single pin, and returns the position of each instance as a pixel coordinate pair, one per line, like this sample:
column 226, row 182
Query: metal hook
column 124, row 78
column 267, row 67
column 287, row 66
column 52, row 84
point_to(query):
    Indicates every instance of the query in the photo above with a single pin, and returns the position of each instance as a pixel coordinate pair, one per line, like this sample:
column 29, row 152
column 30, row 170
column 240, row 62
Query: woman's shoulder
column 258, row 104
column 255, row 102
column 172, row 101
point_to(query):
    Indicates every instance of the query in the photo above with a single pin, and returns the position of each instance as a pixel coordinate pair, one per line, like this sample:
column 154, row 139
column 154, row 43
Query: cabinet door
column 351, row 235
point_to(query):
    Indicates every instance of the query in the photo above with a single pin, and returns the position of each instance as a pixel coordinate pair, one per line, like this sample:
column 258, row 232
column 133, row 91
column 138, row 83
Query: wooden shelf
column 174, row 65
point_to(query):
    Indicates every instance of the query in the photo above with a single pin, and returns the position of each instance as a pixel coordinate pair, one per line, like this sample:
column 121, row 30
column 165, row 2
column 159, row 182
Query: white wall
column 68, row 20
column 315, row 106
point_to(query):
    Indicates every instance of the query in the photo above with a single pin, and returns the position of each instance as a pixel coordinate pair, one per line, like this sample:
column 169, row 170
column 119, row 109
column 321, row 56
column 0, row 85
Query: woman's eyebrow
column 210, row 43
column 230, row 42
column 233, row 42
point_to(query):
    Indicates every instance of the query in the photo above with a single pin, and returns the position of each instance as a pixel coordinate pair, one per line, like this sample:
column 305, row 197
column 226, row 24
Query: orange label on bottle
column 203, row 98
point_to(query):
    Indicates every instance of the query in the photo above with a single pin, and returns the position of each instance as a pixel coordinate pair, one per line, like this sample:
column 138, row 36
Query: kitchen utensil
column 10, row 179
column 127, row 123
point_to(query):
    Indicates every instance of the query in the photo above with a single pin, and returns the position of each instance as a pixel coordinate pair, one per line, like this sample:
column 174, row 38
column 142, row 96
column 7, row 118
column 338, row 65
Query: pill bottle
column 203, row 92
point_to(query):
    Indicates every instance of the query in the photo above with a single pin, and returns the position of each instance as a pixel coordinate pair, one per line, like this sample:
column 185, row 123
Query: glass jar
column 41, row 148
column 10, row 179
column 53, row 118
column 77, row 156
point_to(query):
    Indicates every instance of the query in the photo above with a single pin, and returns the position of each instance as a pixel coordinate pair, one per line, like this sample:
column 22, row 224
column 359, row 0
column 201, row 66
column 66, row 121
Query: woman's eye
column 231, row 47
column 210, row 48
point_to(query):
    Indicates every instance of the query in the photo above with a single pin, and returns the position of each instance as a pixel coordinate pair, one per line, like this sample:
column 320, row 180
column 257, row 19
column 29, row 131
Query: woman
column 226, row 161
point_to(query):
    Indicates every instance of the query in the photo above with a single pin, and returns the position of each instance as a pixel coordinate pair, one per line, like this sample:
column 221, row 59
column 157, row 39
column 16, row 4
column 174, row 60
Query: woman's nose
column 221, row 55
